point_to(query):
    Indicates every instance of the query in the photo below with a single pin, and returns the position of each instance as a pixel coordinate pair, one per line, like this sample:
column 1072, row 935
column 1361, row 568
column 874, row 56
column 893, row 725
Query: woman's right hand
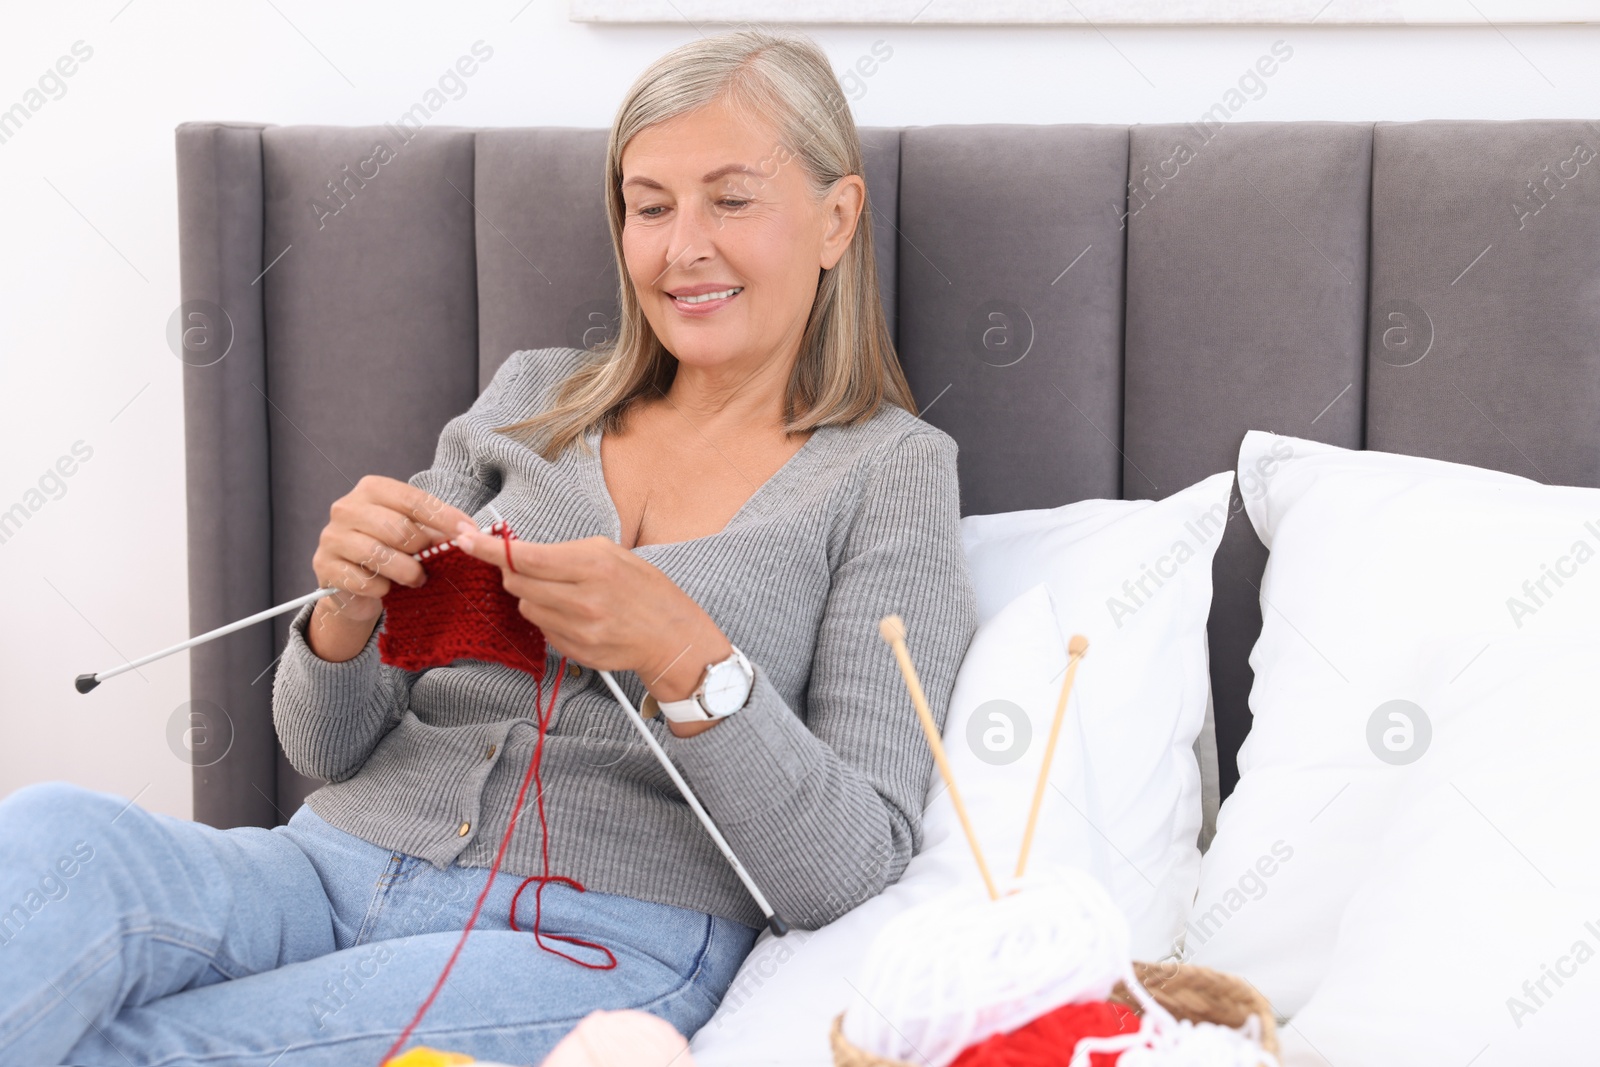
column 364, row 550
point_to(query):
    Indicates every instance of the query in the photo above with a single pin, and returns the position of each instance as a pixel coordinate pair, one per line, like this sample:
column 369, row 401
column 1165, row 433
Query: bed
column 1091, row 311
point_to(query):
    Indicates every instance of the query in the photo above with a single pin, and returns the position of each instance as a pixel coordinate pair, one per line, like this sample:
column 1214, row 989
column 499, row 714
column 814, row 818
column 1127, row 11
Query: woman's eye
column 731, row 203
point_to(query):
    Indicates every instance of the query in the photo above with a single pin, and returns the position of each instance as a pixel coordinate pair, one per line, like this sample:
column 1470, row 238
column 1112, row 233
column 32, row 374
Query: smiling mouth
column 706, row 298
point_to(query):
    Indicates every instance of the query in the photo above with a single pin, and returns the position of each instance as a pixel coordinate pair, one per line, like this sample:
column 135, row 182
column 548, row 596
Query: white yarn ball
column 961, row 968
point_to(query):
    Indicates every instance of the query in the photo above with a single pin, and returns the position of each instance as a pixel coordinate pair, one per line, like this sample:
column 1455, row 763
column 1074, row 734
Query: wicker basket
column 1197, row 994
column 1202, row 995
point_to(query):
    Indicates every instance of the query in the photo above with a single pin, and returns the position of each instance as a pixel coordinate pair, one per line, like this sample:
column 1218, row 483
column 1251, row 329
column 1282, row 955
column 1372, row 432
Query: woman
column 720, row 507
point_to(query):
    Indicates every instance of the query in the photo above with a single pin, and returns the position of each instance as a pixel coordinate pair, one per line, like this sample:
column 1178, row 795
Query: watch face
column 726, row 689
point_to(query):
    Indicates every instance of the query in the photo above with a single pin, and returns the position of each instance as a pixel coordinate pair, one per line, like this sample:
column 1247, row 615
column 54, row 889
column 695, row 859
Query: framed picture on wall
column 1096, row 12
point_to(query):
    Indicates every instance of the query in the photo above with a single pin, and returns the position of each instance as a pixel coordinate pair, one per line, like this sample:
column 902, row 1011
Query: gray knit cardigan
column 818, row 783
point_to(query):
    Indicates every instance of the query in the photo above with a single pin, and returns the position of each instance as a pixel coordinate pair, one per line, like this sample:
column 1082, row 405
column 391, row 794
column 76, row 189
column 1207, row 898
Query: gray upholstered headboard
column 1091, row 311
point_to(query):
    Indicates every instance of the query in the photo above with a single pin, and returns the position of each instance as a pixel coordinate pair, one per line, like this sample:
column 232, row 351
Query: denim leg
column 105, row 906
column 506, row 999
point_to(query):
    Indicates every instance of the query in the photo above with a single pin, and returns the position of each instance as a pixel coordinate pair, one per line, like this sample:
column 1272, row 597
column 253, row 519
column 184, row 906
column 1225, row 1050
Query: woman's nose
column 690, row 237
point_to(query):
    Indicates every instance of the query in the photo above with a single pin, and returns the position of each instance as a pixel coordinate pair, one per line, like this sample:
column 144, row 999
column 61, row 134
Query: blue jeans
column 128, row 937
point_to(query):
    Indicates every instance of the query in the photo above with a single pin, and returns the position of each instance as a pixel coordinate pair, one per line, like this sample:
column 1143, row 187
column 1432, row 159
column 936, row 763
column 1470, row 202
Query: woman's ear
column 841, row 211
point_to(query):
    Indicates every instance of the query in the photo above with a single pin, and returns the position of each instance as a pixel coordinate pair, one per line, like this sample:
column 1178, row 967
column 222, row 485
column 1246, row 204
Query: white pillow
column 1475, row 938
column 1134, row 577
column 1125, row 804
column 1387, row 575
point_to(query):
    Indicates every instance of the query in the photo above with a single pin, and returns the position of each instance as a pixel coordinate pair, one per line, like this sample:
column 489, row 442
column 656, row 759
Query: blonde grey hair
column 847, row 365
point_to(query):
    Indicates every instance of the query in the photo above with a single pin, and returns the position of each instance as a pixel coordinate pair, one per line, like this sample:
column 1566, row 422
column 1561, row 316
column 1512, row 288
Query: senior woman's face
column 722, row 238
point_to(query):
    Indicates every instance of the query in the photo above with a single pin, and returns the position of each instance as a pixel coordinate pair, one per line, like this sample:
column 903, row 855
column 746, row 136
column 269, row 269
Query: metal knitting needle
column 774, row 923
column 86, row 682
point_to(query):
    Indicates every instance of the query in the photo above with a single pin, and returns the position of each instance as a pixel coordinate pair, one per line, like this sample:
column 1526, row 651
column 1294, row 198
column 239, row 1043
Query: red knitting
column 461, row 612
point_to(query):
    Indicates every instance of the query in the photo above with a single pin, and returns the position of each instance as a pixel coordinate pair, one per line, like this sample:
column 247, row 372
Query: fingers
column 558, row 561
column 349, row 577
column 383, row 524
column 539, row 600
column 372, row 532
column 572, row 590
column 526, row 558
column 416, row 505
column 371, row 556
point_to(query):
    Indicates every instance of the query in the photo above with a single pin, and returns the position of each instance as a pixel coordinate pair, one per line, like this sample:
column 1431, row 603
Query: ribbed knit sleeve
column 330, row 716
column 824, row 803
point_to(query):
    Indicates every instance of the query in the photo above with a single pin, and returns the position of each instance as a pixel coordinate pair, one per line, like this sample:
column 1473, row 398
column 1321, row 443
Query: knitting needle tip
column 86, row 682
column 774, row 923
column 892, row 628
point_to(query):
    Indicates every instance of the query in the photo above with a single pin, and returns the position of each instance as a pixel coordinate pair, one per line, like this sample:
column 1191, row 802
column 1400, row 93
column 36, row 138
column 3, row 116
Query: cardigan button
column 573, row 669
column 490, row 754
column 465, row 828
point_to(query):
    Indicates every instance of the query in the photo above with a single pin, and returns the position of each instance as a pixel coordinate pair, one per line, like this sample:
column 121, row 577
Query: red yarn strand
column 544, row 850
column 546, row 877
column 531, row 776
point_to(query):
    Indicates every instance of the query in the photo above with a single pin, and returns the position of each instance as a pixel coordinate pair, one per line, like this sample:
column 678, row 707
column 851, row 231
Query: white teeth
column 703, row 297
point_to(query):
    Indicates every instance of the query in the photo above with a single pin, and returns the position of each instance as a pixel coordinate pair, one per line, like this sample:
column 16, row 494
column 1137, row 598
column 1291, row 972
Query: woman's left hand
column 606, row 608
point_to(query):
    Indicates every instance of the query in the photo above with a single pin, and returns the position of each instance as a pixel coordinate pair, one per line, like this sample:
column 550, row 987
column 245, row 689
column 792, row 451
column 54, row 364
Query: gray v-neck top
column 818, row 782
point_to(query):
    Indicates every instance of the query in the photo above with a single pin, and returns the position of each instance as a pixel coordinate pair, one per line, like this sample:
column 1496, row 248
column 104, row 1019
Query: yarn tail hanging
column 494, row 637
column 546, row 878
column 483, row 895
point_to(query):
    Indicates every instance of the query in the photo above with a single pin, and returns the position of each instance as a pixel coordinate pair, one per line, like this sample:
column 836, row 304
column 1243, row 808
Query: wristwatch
column 724, row 689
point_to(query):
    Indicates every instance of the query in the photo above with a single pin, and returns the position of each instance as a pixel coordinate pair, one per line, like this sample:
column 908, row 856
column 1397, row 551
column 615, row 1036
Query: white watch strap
column 691, row 709
column 687, row 710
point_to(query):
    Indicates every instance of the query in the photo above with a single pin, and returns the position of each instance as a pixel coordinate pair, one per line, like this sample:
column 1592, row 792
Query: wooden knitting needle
column 892, row 629
column 1075, row 650
column 86, row 682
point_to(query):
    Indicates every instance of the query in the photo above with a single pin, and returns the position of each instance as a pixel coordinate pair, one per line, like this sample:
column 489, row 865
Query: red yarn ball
column 1049, row 1040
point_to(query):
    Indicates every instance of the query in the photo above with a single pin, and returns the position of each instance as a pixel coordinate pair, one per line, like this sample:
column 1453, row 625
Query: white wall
column 89, row 261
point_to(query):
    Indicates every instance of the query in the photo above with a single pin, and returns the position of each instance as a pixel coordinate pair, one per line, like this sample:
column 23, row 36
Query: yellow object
column 422, row 1056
